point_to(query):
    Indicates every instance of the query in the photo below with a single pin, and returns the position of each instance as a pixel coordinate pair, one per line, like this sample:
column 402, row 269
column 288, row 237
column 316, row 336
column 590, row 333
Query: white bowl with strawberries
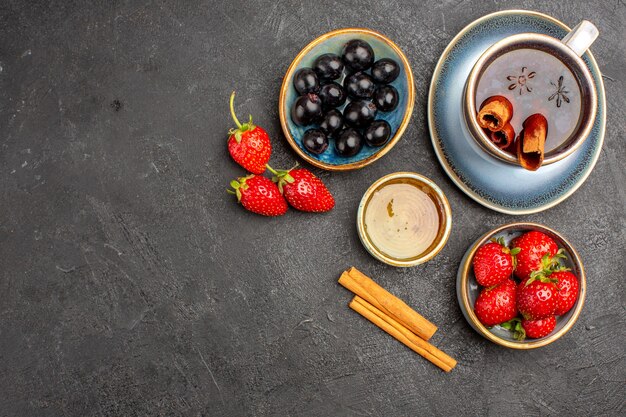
column 521, row 285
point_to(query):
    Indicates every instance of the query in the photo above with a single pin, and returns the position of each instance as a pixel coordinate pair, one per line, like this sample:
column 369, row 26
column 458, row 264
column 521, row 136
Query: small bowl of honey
column 404, row 219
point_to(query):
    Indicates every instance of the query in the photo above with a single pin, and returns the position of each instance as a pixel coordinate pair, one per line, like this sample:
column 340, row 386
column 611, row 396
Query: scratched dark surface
column 131, row 284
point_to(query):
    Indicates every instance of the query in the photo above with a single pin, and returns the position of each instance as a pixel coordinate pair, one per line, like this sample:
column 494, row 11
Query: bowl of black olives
column 346, row 99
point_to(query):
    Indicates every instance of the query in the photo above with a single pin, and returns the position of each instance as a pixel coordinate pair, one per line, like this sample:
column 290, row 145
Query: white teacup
column 537, row 74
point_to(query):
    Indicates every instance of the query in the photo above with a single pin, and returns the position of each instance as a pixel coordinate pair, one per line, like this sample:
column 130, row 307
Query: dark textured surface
column 132, row 284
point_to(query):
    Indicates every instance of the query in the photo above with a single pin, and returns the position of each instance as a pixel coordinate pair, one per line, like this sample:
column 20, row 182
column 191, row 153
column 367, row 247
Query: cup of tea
column 537, row 74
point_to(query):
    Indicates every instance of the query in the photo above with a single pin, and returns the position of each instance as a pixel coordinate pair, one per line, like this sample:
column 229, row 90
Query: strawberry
column 493, row 263
column 534, row 329
column 532, row 246
column 537, row 297
column 496, row 305
column 303, row 190
column 249, row 145
column 539, row 328
column 568, row 291
column 259, row 195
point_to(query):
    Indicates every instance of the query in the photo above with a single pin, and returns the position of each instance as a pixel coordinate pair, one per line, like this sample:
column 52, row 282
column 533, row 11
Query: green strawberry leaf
column 281, row 176
column 519, row 333
column 515, row 326
column 507, row 325
column 533, row 277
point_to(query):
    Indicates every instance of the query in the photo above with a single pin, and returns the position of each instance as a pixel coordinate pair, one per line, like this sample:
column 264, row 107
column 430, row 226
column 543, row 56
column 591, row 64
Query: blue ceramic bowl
column 333, row 42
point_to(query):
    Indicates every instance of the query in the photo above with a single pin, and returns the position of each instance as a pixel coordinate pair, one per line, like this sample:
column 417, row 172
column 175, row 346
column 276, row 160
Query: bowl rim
column 287, row 83
column 518, row 41
column 371, row 248
column 468, row 309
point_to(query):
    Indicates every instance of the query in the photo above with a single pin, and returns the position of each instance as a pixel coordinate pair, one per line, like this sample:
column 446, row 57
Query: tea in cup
column 535, row 75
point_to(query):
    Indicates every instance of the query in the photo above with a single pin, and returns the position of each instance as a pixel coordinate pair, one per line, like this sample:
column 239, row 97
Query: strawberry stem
column 281, row 176
column 241, row 127
column 272, row 170
column 232, row 110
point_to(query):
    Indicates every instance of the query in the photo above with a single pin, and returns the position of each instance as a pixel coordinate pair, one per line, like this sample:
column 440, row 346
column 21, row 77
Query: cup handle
column 581, row 37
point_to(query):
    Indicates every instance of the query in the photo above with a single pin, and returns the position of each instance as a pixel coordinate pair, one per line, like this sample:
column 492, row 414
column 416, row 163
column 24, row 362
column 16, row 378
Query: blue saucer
column 497, row 185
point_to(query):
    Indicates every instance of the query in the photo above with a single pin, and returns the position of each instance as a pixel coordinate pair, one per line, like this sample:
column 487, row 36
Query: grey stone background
column 131, row 284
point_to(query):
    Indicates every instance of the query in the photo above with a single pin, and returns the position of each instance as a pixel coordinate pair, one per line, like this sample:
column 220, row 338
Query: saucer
column 498, row 185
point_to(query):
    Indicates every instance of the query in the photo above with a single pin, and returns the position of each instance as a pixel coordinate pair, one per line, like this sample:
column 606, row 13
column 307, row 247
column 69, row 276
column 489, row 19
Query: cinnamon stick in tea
column 495, row 113
column 503, row 138
column 363, row 286
column 402, row 334
column 531, row 142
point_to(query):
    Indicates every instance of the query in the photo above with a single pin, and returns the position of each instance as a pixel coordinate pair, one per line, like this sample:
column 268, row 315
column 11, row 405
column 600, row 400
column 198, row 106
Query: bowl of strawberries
column 521, row 285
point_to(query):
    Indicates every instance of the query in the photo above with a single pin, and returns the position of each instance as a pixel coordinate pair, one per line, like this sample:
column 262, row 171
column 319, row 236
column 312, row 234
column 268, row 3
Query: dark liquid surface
column 535, row 82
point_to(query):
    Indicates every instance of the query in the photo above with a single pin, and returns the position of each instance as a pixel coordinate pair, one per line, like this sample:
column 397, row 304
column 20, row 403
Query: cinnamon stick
column 503, row 138
column 363, row 286
column 531, row 142
column 402, row 334
column 495, row 113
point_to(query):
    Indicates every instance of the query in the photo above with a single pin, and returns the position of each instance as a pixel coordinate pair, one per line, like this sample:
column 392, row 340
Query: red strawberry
column 537, row 297
column 303, row 190
column 568, row 291
column 532, row 247
column 249, row 145
column 496, row 305
column 259, row 195
column 539, row 328
column 493, row 263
